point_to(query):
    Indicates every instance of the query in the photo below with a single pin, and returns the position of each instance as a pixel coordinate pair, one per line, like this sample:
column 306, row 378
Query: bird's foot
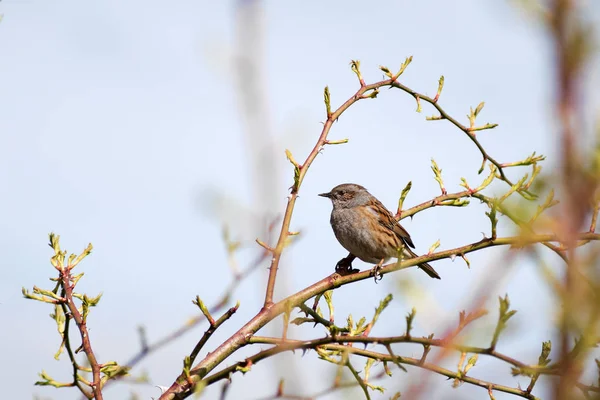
column 376, row 271
column 344, row 266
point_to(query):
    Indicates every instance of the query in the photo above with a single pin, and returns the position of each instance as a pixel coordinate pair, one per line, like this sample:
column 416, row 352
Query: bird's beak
column 328, row 194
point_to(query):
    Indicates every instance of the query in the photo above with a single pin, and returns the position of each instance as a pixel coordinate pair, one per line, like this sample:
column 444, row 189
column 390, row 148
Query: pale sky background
column 120, row 125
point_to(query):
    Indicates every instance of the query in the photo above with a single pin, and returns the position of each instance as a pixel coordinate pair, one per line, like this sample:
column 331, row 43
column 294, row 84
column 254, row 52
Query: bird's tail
column 425, row 267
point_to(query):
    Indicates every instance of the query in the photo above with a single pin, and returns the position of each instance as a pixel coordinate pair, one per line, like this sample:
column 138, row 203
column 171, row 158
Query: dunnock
column 367, row 229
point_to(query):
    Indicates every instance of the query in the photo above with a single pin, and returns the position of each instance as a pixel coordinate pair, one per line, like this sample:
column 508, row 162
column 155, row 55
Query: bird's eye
column 342, row 192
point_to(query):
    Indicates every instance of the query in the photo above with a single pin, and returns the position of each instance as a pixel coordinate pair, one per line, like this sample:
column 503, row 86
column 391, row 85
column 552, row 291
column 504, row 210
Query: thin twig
column 296, row 345
column 66, row 278
column 443, row 343
column 594, row 220
column 211, row 329
column 359, row 380
column 69, row 348
column 318, row 319
column 466, row 130
column 335, row 387
column 147, row 349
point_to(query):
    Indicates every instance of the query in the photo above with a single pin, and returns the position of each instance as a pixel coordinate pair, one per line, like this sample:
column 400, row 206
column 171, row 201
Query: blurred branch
column 280, row 394
column 572, row 38
column 520, row 223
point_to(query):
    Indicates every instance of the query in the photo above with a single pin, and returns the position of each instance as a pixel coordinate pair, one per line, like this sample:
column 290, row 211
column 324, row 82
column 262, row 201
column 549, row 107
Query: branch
column 365, row 92
column 69, row 348
column 300, row 172
column 66, row 280
column 449, row 200
column 359, row 380
column 469, row 131
column 180, row 388
column 214, row 325
column 193, row 322
column 336, row 386
column 425, row 341
column 297, row 345
column 522, row 224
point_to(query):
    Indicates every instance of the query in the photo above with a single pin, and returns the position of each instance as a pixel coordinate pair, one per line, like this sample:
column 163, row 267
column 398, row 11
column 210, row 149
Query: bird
column 365, row 228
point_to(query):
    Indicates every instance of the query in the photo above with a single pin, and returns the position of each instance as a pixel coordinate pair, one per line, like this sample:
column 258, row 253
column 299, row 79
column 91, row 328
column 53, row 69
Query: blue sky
column 122, row 124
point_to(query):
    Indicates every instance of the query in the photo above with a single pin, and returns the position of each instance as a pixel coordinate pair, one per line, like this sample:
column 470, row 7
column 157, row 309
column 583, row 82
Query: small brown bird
column 365, row 228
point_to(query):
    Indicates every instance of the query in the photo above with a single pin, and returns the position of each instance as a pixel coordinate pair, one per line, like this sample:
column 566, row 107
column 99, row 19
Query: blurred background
column 151, row 128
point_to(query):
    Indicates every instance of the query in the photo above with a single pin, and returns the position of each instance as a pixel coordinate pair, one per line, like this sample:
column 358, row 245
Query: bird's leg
column 344, row 266
column 377, row 271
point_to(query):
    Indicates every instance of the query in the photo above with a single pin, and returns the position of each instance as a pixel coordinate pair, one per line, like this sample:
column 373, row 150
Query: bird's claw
column 376, row 271
column 344, row 267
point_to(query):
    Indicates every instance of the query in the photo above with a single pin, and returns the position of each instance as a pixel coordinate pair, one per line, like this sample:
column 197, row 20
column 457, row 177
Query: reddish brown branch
column 443, row 343
column 214, row 325
column 180, row 388
column 74, row 364
column 302, row 169
column 570, row 39
column 147, row 349
column 295, row 345
column 66, row 280
column 331, row 118
column 466, row 130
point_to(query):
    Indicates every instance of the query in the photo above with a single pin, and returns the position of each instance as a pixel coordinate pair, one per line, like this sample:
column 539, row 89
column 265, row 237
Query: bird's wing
column 387, row 220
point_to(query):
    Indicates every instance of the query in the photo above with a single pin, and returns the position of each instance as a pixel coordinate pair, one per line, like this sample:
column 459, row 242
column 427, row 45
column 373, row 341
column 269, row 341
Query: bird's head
column 347, row 195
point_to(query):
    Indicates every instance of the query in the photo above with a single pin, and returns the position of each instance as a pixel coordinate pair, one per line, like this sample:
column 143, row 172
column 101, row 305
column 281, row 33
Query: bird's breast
column 360, row 234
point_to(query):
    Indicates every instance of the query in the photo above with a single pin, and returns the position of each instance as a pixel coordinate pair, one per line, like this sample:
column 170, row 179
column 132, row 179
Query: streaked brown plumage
column 365, row 228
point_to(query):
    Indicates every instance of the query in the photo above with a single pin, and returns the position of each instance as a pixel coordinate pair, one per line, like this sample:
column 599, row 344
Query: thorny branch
column 183, row 385
column 69, row 310
column 244, row 335
column 365, row 92
column 300, row 345
column 67, row 290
